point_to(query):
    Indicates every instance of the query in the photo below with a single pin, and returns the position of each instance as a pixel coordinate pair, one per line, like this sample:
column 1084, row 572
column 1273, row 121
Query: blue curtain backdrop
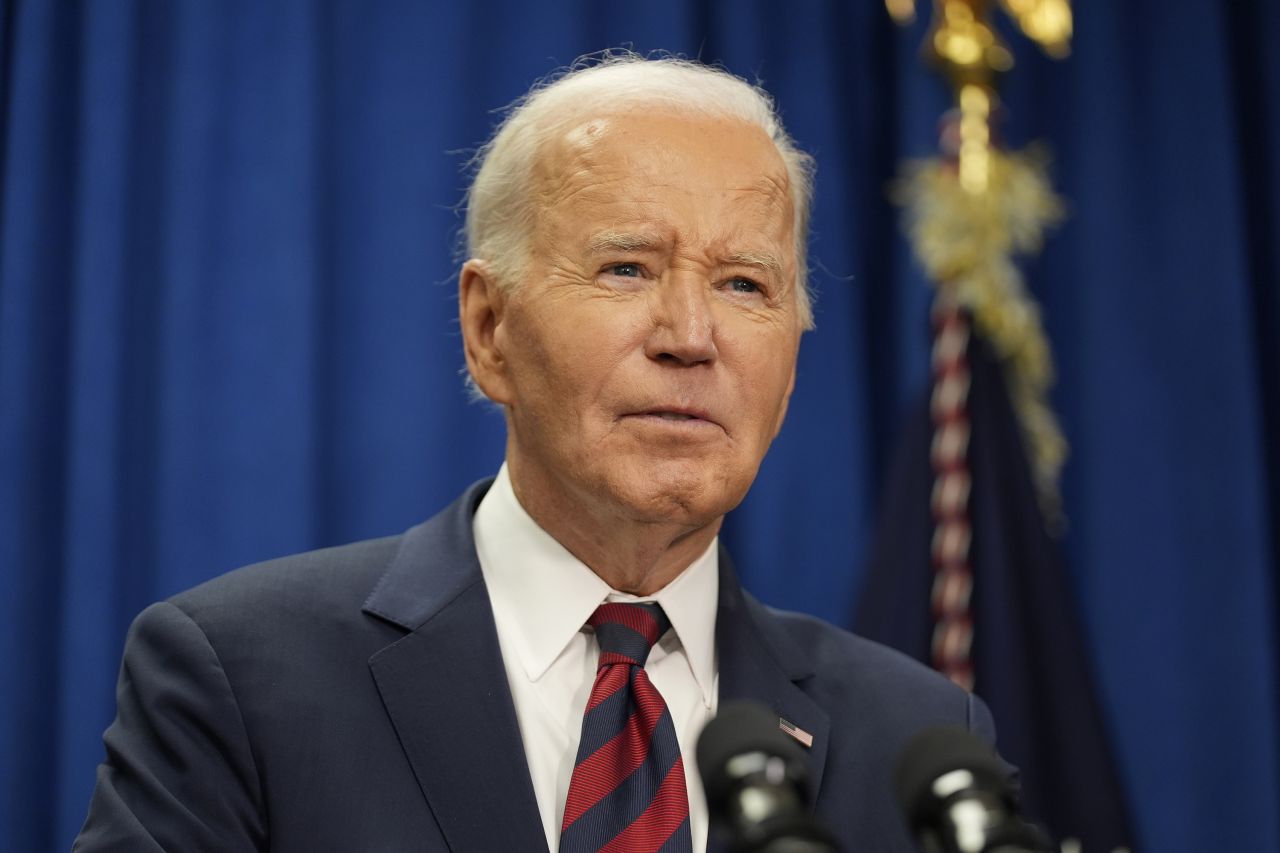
column 227, row 332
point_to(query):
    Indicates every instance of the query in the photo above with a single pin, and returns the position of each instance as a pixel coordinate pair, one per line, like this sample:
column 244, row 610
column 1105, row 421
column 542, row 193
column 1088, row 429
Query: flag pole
column 968, row 211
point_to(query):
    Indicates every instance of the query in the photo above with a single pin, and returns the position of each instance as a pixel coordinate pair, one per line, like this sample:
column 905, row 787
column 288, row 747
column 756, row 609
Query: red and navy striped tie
column 627, row 794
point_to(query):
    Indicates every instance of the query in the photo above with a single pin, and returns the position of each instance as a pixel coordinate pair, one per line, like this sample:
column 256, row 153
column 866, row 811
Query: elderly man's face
column 647, row 357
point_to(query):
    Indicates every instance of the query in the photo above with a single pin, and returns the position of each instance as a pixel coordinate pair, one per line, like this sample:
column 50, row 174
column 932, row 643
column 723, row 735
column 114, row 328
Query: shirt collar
column 548, row 594
column 690, row 602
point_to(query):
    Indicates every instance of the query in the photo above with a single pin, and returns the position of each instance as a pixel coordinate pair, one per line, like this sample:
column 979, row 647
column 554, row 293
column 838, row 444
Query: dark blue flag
column 1028, row 652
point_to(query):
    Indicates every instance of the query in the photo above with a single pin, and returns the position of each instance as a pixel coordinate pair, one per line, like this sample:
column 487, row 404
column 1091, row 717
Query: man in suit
column 634, row 301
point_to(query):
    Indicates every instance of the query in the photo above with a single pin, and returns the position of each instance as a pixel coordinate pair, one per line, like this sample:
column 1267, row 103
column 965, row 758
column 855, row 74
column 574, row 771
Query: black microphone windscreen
column 936, row 752
column 740, row 728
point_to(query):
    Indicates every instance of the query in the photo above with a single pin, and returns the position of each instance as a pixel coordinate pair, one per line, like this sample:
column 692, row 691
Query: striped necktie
column 627, row 794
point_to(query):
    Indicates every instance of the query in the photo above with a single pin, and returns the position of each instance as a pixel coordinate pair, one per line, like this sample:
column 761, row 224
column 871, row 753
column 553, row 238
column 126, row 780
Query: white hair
column 499, row 203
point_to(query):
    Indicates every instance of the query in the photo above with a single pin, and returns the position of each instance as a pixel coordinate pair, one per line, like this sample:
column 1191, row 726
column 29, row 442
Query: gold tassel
column 966, row 242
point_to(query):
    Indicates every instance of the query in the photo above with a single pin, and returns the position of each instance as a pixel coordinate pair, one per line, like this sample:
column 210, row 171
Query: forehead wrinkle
column 574, row 170
column 768, row 184
column 569, row 165
column 575, row 194
column 768, row 191
column 774, row 184
column 566, row 185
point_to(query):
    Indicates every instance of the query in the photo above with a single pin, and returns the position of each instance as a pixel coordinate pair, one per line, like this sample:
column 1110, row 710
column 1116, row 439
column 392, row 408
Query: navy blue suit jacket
column 355, row 699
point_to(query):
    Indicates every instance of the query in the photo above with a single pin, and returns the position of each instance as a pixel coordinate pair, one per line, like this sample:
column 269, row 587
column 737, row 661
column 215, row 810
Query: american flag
column 796, row 732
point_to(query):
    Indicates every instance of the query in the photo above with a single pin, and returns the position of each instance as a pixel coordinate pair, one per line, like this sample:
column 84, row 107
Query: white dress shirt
column 542, row 597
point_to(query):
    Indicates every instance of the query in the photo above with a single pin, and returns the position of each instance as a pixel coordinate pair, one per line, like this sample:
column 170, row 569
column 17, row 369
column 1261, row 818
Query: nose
column 683, row 323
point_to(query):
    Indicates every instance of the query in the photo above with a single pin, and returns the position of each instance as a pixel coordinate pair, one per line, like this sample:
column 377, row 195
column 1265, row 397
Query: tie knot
column 626, row 632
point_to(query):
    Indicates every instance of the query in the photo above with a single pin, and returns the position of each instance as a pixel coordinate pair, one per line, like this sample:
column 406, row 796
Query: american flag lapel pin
column 796, row 732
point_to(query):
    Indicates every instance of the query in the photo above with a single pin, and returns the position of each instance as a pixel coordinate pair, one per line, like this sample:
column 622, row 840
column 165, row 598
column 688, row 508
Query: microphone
column 757, row 783
column 957, row 798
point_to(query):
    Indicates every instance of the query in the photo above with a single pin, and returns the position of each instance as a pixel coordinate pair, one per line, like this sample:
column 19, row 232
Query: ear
column 480, row 311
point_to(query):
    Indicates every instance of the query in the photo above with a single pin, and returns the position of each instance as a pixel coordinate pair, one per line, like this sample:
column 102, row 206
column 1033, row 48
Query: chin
column 681, row 494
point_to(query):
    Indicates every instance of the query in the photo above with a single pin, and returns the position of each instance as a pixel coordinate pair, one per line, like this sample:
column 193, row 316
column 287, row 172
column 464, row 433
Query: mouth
column 675, row 417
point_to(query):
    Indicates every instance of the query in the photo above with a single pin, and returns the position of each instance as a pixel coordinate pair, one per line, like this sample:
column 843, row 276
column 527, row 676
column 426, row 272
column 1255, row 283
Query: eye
column 625, row 270
column 743, row 285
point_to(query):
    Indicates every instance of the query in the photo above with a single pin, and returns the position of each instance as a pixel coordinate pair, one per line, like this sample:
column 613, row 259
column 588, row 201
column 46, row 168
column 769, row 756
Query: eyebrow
column 622, row 241
column 760, row 260
column 627, row 241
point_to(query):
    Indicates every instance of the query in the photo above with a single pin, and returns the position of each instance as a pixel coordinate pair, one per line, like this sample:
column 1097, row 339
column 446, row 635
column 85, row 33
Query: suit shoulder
column 309, row 581
column 842, row 660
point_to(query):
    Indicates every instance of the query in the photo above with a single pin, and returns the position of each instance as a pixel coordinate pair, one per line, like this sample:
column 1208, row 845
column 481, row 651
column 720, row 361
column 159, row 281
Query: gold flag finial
column 962, row 42
column 1046, row 22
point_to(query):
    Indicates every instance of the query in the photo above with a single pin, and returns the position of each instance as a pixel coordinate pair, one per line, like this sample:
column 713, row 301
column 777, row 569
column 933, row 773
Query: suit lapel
column 759, row 662
column 445, row 690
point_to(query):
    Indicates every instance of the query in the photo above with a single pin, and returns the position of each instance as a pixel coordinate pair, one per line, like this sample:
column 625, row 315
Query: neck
column 634, row 555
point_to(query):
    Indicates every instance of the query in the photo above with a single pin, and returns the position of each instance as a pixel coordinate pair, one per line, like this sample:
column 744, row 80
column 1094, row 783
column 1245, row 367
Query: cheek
column 561, row 362
column 528, row 362
column 768, row 384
